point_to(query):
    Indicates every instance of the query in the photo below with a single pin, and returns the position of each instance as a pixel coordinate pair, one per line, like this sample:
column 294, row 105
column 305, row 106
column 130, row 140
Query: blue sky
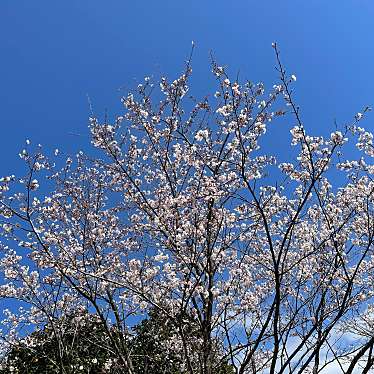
column 55, row 53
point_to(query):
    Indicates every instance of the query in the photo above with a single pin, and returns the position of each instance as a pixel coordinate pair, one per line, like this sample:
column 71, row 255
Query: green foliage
column 155, row 351
column 69, row 345
column 82, row 345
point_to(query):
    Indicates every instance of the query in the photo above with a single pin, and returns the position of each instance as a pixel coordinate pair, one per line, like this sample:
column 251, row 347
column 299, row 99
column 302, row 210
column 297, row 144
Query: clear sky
column 55, row 53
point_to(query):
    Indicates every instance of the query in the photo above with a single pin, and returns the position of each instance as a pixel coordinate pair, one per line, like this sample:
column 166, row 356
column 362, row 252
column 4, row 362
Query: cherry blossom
column 180, row 210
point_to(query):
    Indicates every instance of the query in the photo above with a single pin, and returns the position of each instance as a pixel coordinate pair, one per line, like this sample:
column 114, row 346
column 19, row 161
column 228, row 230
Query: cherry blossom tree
column 180, row 210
